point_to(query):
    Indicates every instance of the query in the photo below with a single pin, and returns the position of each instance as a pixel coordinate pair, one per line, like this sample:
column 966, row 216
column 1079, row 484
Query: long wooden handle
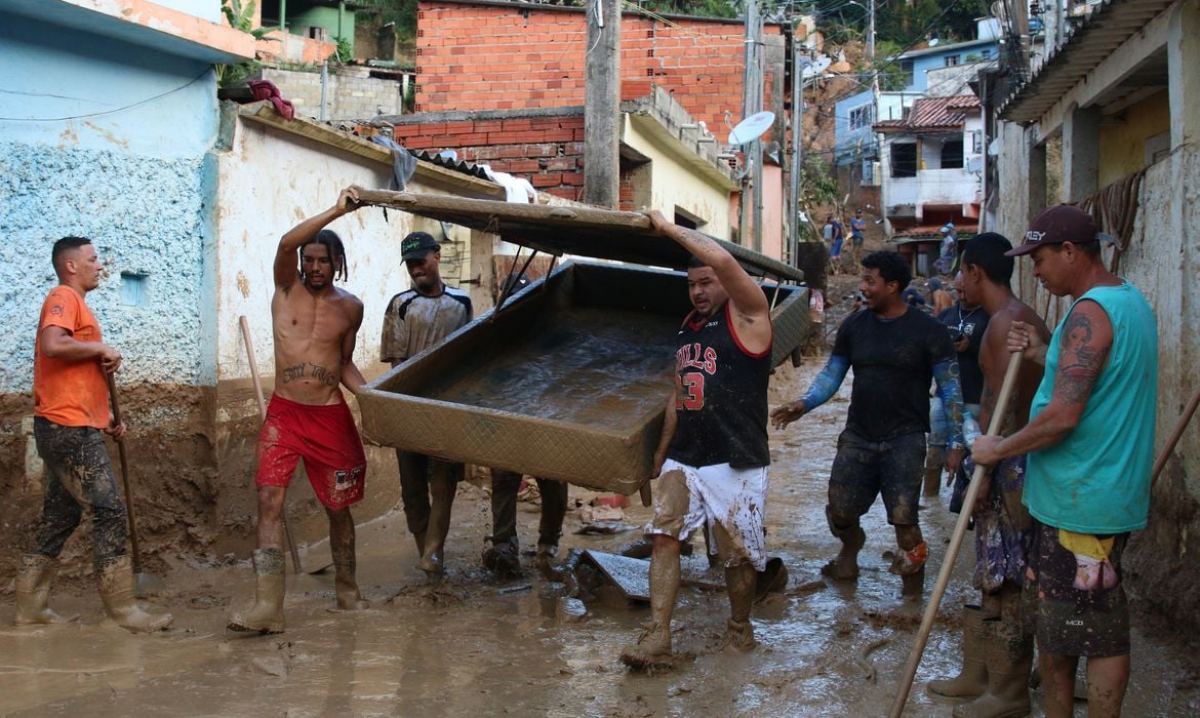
column 133, row 537
column 960, row 530
column 262, row 412
column 1175, row 436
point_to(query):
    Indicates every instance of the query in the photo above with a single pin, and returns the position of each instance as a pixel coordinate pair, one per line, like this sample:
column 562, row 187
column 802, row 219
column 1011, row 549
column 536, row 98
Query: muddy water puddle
column 477, row 647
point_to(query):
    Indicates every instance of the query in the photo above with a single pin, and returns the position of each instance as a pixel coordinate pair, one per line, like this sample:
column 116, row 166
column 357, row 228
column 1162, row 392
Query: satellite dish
column 751, row 128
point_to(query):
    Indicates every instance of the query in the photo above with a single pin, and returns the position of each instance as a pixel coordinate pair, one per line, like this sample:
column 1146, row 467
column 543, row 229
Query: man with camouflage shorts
column 1090, row 445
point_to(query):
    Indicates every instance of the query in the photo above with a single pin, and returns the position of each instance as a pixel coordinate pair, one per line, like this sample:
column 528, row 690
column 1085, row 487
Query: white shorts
column 686, row 497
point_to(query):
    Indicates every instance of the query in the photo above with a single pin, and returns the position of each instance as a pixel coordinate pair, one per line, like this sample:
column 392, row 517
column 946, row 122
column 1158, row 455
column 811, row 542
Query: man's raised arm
column 747, row 297
column 303, row 233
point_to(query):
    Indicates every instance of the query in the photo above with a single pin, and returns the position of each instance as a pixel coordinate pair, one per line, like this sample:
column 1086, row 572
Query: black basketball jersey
column 720, row 396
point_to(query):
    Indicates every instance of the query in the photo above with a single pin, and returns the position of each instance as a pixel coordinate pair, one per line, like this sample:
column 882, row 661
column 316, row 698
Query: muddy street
column 475, row 646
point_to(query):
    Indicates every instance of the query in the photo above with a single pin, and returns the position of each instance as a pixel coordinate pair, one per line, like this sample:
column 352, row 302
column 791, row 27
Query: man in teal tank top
column 1090, row 441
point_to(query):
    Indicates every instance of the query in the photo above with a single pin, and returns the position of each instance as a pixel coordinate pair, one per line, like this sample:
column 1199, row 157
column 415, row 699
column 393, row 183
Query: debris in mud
column 570, row 610
column 808, row 587
column 271, row 665
column 604, row 528
column 906, row 620
column 863, row 658
column 438, row 595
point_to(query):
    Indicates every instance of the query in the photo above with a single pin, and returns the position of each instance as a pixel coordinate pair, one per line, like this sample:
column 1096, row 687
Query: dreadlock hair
column 64, row 245
column 337, row 253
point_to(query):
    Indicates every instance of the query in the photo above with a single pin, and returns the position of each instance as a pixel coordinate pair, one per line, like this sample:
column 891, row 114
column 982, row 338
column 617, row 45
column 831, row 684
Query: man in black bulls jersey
column 712, row 460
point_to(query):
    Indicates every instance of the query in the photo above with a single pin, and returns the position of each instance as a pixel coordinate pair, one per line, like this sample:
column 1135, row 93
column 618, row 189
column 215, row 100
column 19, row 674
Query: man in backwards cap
column 1090, row 444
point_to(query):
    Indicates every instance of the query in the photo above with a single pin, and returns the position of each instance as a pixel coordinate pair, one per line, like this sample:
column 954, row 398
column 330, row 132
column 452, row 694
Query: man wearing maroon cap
column 1090, row 444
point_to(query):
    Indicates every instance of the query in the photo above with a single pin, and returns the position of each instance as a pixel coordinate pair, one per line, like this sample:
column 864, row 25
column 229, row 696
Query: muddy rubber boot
column 503, row 559
column 740, row 582
column 33, row 590
column 1009, row 656
column 653, row 647
column 116, row 591
column 933, row 471
column 433, row 561
column 912, row 585
column 348, row 596
column 845, row 566
column 266, row 615
column 971, row 681
column 543, row 560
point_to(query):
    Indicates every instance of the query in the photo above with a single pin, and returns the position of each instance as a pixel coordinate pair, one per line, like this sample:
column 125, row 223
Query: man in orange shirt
column 70, row 395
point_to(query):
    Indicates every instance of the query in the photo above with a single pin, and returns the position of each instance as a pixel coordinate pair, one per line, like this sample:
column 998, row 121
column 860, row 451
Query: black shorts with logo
column 1071, row 621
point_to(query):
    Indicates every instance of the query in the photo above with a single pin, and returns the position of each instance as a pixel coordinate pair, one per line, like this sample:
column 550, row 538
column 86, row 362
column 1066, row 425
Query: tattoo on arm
column 1080, row 360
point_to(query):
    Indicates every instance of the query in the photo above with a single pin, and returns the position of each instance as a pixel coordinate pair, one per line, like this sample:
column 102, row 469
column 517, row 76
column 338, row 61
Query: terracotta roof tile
column 935, row 113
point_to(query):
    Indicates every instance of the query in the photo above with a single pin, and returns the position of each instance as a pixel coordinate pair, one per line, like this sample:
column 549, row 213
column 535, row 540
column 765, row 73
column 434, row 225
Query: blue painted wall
column 922, row 64
column 131, row 170
column 847, row 140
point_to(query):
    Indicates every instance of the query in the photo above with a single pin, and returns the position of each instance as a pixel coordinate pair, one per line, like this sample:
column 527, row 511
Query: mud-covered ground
column 480, row 647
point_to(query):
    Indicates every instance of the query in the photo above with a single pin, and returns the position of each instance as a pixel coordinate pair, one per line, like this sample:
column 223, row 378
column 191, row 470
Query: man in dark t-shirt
column 896, row 352
column 966, row 325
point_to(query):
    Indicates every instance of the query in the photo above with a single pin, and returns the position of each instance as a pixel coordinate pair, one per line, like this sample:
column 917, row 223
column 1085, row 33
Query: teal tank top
column 1097, row 480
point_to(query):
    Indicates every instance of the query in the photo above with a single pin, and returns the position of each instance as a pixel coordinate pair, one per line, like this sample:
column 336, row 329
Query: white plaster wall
column 673, row 183
column 270, row 181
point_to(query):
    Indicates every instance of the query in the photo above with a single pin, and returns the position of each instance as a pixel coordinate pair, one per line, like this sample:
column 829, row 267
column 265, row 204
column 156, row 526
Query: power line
column 139, row 103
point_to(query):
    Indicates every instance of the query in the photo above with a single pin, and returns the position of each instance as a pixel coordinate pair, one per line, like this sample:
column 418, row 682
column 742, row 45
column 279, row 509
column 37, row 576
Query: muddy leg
column 554, row 510
column 1058, row 684
column 414, row 494
column 443, row 482
column 653, row 648
column 270, row 517
column 740, row 580
column 341, row 545
column 1107, row 679
column 503, row 556
column 933, row 470
column 850, row 533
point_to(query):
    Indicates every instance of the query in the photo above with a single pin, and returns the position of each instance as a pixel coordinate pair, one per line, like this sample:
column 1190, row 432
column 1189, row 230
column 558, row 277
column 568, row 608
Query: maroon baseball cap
column 1064, row 223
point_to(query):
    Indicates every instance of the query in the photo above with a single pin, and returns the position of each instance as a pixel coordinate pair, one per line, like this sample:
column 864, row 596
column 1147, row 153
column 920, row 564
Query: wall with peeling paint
column 131, row 172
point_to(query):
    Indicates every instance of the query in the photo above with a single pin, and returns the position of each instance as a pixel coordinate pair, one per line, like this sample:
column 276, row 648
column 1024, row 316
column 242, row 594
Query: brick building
column 482, row 55
column 502, row 83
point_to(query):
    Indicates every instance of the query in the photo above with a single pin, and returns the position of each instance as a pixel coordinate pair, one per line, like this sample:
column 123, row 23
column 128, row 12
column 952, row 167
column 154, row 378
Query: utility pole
column 798, row 66
column 752, row 89
column 602, row 104
column 871, row 33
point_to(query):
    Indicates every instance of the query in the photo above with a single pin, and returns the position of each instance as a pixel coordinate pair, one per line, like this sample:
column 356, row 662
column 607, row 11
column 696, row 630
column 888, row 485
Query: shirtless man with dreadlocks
column 315, row 324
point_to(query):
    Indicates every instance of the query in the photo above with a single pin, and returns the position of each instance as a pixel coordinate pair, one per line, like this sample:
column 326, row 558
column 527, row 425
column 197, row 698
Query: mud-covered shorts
column 1071, row 621
column 865, row 469
column 325, row 437
column 686, row 496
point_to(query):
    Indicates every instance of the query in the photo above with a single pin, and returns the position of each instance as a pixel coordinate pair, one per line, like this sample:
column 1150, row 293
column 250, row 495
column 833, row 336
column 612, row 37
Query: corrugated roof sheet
column 933, row 113
column 1108, row 27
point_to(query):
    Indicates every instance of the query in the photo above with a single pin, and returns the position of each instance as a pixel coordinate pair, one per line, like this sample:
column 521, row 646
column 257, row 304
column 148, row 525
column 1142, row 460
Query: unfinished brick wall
column 546, row 150
column 488, row 57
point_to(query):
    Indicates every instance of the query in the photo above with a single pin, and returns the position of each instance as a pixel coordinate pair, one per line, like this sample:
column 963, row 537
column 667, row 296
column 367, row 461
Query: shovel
column 143, row 584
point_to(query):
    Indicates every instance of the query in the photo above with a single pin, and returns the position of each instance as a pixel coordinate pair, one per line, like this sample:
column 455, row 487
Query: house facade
column 1108, row 119
column 112, row 130
column 931, row 165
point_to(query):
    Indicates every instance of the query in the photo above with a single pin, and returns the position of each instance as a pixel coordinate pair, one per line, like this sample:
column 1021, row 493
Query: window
column 904, row 160
column 862, row 116
column 952, row 154
column 951, row 60
column 906, row 69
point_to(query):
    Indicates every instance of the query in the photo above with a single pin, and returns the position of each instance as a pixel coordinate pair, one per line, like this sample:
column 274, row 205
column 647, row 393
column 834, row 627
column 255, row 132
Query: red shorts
column 325, row 437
